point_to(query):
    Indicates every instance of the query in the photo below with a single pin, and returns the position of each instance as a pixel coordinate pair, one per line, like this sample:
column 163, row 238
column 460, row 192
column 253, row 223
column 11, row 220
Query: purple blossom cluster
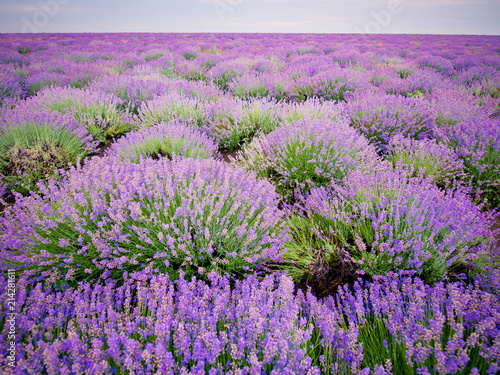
column 151, row 325
column 397, row 324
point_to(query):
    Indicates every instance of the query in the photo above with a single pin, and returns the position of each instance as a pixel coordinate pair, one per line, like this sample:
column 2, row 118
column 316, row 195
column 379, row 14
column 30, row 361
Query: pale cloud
column 27, row 8
column 301, row 16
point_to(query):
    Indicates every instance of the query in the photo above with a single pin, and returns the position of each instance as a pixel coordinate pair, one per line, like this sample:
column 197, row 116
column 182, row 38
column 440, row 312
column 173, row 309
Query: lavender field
column 249, row 204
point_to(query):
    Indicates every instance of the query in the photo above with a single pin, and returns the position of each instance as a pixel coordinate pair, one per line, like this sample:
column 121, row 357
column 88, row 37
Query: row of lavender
column 359, row 157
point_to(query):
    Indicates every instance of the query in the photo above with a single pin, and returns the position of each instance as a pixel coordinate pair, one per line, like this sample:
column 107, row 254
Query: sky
column 264, row 16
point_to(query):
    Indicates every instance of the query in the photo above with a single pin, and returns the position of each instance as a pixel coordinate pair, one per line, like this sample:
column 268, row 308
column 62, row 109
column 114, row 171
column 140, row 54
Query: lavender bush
column 35, row 145
column 381, row 222
column 427, row 158
column 164, row 140
column 381, row 117
column 111, row 217
column 95, row 110
column 307, row 153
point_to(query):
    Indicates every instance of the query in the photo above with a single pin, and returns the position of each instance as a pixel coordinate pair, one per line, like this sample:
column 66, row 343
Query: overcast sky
column 304, row 16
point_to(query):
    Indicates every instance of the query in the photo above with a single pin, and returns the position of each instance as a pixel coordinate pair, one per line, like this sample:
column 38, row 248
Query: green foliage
column 308, row 249
column 486, row 175
column 154, row 56
column 404, row 73
column 24, row 50
column 35, row 153
column 189, row 56
column 170, row 70
column 416, row 94
column 166, row 147
column 37, row 86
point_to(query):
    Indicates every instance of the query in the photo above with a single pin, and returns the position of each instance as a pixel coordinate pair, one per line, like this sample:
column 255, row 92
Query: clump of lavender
column 170, row 140
column 428, row 158
column 261, row 86
column 95, row 110
column 259, row 117
column 11, row 88
column 382, row 221
column 380, row 118
column 477, row 144
column 397, row 324
column 306, row 154
column 173, row 106
column 333, row 85
column 151, row 325
column 225, row 123
column 111, row 217
column 224, row 73
column 310, row 109
column 413, row 83
column 35, row 145
column 132, row 90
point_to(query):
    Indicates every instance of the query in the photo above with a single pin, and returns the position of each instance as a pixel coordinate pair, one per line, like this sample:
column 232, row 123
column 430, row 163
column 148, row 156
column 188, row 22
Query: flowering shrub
column 173, row 106
column 381, row 117
column 310, row 109
column 34, row 145
column 384, row 222
column 165, row 140
column 108, row 218
column 307, row 153
column 95, row 110
column 332, row 85
column 428, row 158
